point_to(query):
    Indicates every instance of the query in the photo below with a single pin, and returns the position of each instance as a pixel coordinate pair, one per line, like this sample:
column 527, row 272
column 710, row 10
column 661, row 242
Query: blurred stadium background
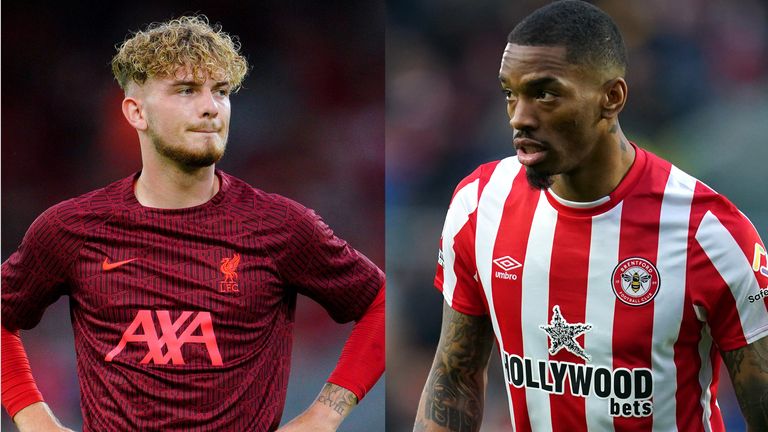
column 308, row 124
column 698, row 96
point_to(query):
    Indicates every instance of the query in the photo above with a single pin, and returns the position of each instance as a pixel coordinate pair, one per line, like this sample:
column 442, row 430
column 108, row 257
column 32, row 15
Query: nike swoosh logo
column 107, row 266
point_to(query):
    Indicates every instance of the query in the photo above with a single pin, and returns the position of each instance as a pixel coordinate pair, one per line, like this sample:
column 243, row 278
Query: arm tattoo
column 748, row 367
column 455, row 390
column 337, row 398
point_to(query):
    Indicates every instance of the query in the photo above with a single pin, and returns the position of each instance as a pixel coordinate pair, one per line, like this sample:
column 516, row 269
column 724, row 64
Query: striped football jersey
column 608, row 315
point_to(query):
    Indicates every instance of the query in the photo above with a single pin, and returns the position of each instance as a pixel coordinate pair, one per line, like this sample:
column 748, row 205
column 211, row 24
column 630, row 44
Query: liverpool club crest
column 229, row 268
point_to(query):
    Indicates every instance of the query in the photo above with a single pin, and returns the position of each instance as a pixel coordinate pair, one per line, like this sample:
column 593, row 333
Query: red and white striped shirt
column 608, row 316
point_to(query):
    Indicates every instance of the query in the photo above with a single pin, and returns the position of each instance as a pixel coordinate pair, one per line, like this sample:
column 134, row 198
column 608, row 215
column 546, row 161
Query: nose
column 208, row 105
column 522, row 115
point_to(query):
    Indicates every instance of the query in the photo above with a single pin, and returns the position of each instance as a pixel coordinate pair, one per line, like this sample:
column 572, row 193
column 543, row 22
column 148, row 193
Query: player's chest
column 608, row 286
column 175, row 268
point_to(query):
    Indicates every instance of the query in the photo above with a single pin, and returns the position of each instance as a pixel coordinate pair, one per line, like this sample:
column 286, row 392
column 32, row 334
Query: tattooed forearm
column 748, row 367
column 453, row 396
column 337, row 398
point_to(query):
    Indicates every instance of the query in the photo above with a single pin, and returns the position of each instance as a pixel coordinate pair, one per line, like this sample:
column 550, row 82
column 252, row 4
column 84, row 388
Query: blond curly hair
column 188, row 41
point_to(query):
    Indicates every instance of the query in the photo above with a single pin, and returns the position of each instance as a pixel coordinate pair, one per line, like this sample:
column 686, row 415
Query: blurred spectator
column 698, row 96
column 308, row 124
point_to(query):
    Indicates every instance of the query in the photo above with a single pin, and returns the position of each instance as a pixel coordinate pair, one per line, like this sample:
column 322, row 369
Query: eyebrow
column 538, row 82
column 193, row 83
column 541, row 82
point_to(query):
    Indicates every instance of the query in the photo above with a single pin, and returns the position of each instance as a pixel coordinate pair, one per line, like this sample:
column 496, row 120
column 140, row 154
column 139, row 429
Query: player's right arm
column 38, row 417
column 34, row 277
column 454, row 394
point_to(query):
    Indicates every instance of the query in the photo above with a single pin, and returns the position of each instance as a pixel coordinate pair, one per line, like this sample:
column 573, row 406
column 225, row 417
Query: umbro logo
column 507, row 263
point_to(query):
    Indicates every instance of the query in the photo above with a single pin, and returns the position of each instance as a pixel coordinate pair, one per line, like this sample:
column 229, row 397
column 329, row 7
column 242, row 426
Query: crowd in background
column 698, row 96
column 308, row 124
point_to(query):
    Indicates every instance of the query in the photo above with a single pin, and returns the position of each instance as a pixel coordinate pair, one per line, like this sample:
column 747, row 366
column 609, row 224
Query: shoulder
column 268, row 209
column 717, row 225
column 678, row 182
column 79, row 214
column 471, row 187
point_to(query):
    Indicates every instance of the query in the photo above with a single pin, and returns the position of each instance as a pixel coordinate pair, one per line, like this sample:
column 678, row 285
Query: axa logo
column 507, row 264
column 229, row 269
column 166, row 347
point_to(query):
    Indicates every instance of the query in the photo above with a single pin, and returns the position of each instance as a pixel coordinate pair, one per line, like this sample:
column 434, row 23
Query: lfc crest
column 229, row 268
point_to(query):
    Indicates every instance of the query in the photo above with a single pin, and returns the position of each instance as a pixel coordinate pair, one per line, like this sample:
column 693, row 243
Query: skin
column 748, row 368
column 330, row 408
column 183, row 127
column 571, row 113
column 454, row 395
column 38, row 417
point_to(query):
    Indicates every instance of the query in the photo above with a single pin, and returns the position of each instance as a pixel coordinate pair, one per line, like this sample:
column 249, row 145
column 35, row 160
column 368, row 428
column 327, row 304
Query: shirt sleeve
column 325, row 268
column 734, row 265
column 456, row 275
column 36, row 275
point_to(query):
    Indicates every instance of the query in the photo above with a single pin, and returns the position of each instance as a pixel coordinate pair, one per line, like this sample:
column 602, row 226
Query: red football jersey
column 183, row 318
column 608, row 315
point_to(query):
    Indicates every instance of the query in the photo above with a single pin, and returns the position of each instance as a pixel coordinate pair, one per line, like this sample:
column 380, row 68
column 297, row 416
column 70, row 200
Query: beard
column 538, row 180
column 186, row 157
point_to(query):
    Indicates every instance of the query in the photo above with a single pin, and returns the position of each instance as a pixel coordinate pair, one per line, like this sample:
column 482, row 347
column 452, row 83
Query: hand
column 326, row 413
column 38, row 417
column 306, row 422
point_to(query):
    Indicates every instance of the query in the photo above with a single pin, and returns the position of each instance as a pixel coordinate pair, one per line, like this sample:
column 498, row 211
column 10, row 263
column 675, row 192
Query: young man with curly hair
column 183, row 279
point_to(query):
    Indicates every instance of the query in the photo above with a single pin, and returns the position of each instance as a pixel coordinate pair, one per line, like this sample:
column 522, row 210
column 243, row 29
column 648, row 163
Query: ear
column 614, row 97
column 133, row 112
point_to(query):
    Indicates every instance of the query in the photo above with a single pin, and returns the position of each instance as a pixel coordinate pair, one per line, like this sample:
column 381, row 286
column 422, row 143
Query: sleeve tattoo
column 453, row 397
column 337, row 398
column 748, row 368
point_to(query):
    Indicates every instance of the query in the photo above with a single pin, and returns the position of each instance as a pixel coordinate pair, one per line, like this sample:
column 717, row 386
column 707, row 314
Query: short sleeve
column 736, row 272
column 325, row 268
column 456, row 275
column 36, row 275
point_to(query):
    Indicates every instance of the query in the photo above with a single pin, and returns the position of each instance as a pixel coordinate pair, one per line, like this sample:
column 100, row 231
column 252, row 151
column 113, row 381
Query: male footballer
column 612, row 281
column 182, row 279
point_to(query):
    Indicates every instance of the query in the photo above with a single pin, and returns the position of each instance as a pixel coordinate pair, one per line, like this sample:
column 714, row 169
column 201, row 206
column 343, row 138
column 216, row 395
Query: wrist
column 323, row 417
column 36, row 417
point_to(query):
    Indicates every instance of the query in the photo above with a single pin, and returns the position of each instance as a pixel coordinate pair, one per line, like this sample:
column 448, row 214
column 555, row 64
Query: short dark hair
column 588, row 34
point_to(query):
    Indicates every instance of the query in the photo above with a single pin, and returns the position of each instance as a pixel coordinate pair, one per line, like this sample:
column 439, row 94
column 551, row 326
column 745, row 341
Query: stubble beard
column 186, row 157
column 537, row 179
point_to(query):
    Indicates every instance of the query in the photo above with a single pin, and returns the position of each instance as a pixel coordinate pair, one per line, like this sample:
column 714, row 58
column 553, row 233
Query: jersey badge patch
column 757, row 261
column 229, row 269
column 636, row 281
column 563, row 335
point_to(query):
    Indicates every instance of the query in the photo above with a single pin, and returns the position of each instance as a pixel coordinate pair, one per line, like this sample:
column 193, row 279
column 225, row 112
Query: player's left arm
column 748, row 367
column 360, row 366
column 330, row 408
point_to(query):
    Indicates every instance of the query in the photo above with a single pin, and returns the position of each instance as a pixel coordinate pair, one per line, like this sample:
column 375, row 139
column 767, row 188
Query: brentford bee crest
column 636, row 281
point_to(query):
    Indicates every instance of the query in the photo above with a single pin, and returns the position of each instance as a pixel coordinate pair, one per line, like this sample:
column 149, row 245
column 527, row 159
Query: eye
column 223, row 92
column 545, row 96
column 185, row 90
column 508, row 95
